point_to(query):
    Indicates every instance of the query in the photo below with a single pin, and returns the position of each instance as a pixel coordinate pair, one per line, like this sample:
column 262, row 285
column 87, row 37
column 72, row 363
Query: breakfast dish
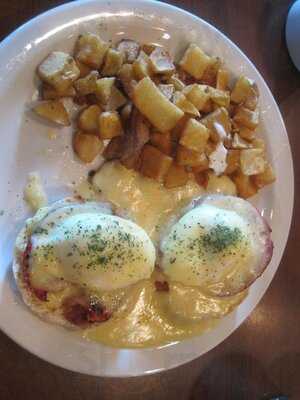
column 151, row 258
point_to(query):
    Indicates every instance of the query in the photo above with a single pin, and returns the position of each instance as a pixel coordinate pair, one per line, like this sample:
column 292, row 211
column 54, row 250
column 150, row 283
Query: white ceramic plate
column 26, row 147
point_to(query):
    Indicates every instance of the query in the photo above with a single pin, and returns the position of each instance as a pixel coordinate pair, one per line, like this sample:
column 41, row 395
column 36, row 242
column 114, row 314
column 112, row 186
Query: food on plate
column 69, row 252
column 222, row 245
column 34, row 193
column 159, row 243
column 198, row 121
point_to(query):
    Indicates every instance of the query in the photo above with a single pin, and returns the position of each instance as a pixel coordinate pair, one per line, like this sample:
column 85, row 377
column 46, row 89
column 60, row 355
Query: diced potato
column 233, row 161
column 194, row 136
column 198, row 95
column 126, row 112
column 246, row 117
column 104, row 89
column 53, row 111
column 220, row 97
column 86, row 146
column 90, row 50
column 167, row 90
column 130, row 49
column 210, row 147
column 218, row 122
column 141, row 66
column 245, row 187
column 201, row 178
column 258, row 143
column 221, row 184
column 153, row 104
column 208, row 107
column 246, row 133
column 252, row 161
column 177, row 130
column 154, row 163
column 127, row 78
column 242, row 89
column 222, row 79
column 88, row 120
column 113, row 62
column 176, row 176
column 87, row 84
column 203, row 164
column 184, row 104
column 195, row 61
column 49, row 93
column 178, row 84
column 162, row 141
column 251, row 101
column 264, row 178
column 83, row 68
column 239, row 143
column 190, row 158
column 160, row 61
column 209, row 76
column 116, row 100
column 110, row 125
column 59, row 70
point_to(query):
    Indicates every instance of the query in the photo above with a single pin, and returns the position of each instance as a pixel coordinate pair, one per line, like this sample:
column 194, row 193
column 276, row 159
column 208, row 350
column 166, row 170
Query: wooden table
column 263, row 356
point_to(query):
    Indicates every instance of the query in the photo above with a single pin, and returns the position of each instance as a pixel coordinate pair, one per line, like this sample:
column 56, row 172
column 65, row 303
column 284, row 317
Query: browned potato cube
column 126, row 112
column 198, row 95
column 116, row 100
column 258, row 143
column 222, row 79
column 233, row 161
column 130, row 49
column 184, row 104
column 110, row 125
column 239, row 143
column 194, row 136
column 208, row 107
column 83, row 68
column 162, row 141
column 221, row 184
column 176, row 176
column 190, row 158
column 160, row 61
column 127, row 79
column 246, row 133
column 219, row 124
column 209, row 76
column 203, row 164
column 220, row 97
column 113, row 62
column 195, row 61
column 148, row 99
column 53, row 111
column 141, row 66
column 59, row 70
column 252, row 161
column 90, row 50
column 154, row 163
column 88, row 120
column 251, row 101
column 242, row 89
column 49, row 93
column 104, row 89
column 245, row 187
column 210, row 147
column 167, row 90
column 87, row 84
column 247, row 118
column 264, row 178
column 86, row 146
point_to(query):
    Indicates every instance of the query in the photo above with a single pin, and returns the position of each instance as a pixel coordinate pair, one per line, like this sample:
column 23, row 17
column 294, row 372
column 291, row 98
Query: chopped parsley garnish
column 221, row 237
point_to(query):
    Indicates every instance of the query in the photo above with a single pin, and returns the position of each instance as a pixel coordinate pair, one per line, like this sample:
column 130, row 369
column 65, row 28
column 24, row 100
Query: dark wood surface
column 262, row 357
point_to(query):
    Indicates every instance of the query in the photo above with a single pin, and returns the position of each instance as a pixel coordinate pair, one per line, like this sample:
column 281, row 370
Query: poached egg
column 221, row 244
